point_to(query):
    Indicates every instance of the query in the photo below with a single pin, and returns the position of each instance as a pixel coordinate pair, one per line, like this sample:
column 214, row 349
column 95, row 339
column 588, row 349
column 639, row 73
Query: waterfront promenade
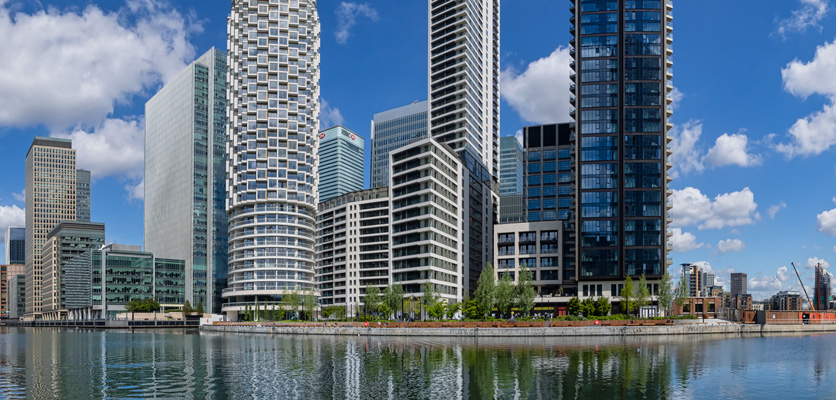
column 489, row 331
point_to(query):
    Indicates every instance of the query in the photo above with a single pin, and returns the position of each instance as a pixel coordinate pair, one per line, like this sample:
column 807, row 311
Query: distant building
column 822, row 289
column 786, row 301
column 17, row 296
column 82, row 195
column 7, row 272
column 738, row 283
column 737, row 301
column 64, row 285
column 510, row 166
column 715, row 291
column 185, row 175
column 700, row 283
column 50, row 169
column 391, row 130
column 700, row 307
column 511, row 208
column 341, row 162
column 352, row 251
column 16, row 245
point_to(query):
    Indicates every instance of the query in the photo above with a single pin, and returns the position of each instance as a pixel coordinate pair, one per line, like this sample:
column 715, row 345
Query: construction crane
column 802, row 287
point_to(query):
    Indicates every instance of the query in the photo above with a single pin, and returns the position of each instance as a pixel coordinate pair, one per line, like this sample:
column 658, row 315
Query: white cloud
column 773, row 209
column 519, row 136
column 114, row 148
column 677, row 97
column 766, row 284
column 812, row 262
column 77, row 65
column 808, row 16
column 731, row 150
column 834, row 249
column 815, row 133
column 329, row 116
column 783, row 274
column 691, row 207
column 347, row 13
column 20, row 196
column 136, row 192
column 541, row 93
column 827, row 221
column 685, row 156
column 684, row 241
column 10, row 216
column 730, row 246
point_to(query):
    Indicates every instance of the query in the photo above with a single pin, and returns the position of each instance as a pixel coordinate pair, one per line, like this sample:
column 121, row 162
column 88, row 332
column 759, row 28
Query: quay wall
column 678, row 329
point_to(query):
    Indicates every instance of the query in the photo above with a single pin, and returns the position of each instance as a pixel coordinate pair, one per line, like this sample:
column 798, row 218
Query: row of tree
column 504, row 295
column 287, row 308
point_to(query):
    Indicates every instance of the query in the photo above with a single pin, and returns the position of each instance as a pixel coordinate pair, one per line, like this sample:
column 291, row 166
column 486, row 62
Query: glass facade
column 82, row 196
column 622, row 68
column 391, row 130
column 185, row 151
column 64, row 286
column 16, row 245
column 510, row 166
column 170, row 281
column 272, row 142
column 341, row 162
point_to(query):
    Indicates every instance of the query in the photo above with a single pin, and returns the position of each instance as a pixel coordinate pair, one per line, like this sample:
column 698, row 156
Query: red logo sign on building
column 322, row 136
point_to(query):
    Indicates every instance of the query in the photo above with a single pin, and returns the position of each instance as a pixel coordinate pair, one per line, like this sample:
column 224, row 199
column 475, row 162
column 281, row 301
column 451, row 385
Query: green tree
column 665, row 294
column 436, row 310
column 574, row 306
column 485, row 293
column 452, row 309
column 642, row 294
column 294, row 302
column 505, row 294
column 682, row 293
column 525, row 291
column 429, row 299
column 602, row 307
column 393, row 298
column 187, row 307
column 309, row 303
column 588, row 307
column 199, row 308
column 471, row 309
column 247, row 313
column 384, row 310
column 627, row 303
column 145, row 305
column 371, row 300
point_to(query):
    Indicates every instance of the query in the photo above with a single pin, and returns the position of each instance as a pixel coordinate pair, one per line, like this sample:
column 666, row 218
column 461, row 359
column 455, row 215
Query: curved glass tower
column 272, row 146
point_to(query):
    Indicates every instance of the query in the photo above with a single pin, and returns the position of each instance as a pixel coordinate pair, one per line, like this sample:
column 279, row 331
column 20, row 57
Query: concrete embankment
column 680, row 329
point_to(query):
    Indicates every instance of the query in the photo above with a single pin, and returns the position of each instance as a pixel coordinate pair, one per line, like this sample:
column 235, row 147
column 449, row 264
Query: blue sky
column 755, row 116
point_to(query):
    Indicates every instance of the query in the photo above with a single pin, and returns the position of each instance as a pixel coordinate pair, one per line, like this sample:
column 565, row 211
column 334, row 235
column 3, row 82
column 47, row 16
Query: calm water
column 50, row 363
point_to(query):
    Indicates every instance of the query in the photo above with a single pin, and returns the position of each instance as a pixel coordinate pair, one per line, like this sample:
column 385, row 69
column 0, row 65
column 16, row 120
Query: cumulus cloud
column 783, row 274
column 731, row 150
column 827, row 221
column 834, row 249
column 676, row 95
column 329, row 116
column 78, row 64
column 815, row 133
column 692, row 207
column 730, row 246
column 115, row 148
column 773, row 209
column 728, row 149
column 347, row 13
column 540, row 94
column 767, row 284
column 10, row 216
column 136, row 192
column 519, row 136
column 20, row 196
column 808, row 16
column 812, row 262
column 684, row 241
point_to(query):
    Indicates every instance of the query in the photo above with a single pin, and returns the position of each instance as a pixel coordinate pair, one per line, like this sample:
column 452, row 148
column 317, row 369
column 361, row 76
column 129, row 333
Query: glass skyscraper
column 341, row 162
column 391, row 130
column 82, row 196
column 510, row 166
column 16, row 245
column 185, row 178
column 272, row 146
column 622, row 51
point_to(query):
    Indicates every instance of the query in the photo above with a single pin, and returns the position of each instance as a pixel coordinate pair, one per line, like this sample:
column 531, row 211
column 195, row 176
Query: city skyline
column 732, row 213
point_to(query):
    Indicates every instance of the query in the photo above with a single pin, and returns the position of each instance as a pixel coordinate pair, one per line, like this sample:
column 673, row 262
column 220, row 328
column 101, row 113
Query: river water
column 49, row 363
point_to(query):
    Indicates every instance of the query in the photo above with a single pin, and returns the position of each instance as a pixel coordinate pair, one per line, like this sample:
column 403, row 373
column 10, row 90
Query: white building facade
column 272, row 150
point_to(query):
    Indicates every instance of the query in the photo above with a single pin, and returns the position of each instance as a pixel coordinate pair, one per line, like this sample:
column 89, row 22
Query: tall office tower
column 822, row 289
column 17, row 296
column 390, row 130
column 738, row 283
column 82, row 196
column 62, row 283
column 51, row 185
column 16, row 245
column 341, row 162
column 272, row 146
column 548, row 183
column 427, row 219
column 693, row 278
column 510, row 166
column 352, row 251
column 464, row 77
column 464, row 113
column 185, row 176
column 621, row 88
